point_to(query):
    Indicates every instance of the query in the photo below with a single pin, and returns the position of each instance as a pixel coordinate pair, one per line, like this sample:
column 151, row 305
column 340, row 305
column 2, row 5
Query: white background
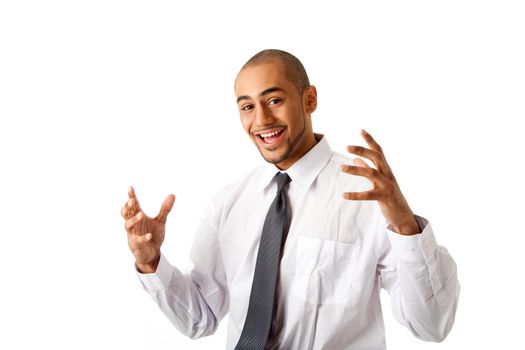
column 98, row 95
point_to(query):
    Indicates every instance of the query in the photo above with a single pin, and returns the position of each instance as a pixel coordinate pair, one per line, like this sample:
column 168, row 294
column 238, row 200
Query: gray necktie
column 260, row 310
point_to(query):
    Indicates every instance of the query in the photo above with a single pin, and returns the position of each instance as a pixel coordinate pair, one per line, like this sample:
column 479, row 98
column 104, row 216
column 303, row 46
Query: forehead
column 252, row 80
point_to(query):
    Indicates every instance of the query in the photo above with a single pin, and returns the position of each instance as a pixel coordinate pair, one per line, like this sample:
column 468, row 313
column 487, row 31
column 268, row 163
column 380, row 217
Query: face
column 273, row 113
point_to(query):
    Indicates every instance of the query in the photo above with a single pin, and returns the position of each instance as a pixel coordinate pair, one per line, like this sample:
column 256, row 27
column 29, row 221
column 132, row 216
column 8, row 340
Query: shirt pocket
column 324, row 271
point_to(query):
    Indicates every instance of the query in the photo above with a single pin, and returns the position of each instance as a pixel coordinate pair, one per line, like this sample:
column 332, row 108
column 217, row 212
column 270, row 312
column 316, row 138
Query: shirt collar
column 305, row 170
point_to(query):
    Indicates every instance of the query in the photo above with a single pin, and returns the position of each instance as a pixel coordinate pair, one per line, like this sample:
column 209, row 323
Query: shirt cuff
column 415, row 248
column 160, row 279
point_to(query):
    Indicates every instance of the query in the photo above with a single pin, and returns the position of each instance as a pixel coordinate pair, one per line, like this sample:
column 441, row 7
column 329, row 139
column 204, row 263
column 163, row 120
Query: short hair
column 293, row 67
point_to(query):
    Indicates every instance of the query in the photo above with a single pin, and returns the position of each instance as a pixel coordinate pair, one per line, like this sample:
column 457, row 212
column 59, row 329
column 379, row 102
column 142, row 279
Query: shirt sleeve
column 195, row 302
column 421, row 278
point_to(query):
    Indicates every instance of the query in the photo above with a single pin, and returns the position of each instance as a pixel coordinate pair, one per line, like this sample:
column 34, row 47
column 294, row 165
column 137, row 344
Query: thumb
column 166, row 208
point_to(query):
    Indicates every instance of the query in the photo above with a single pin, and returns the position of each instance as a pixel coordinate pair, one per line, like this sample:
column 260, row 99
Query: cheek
column 246, row 123
column 293, row 115
column 295, row 120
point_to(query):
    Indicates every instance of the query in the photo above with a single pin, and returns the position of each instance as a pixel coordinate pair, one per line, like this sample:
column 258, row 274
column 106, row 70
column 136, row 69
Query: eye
column 274, row 101
column 246, row 107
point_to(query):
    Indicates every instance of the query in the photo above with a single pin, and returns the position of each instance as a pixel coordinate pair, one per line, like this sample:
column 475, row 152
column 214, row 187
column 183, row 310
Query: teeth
column 270, row 134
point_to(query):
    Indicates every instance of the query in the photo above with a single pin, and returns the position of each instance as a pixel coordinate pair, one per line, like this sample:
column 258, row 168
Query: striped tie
column 260, row 310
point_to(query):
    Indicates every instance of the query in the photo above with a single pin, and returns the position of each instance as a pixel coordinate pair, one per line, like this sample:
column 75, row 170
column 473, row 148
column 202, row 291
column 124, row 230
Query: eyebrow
column 265, row 92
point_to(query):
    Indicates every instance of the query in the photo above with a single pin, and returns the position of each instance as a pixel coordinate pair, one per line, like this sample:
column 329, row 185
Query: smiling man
column 297, row 251
column 274, row 112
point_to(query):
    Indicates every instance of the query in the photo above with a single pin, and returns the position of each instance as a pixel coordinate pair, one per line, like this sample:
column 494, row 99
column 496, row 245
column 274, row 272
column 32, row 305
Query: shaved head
column 294, row 69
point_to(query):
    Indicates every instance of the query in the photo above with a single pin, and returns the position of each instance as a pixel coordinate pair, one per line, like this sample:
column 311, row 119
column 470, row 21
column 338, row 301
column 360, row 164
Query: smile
column 270, row 134
column 270, row 137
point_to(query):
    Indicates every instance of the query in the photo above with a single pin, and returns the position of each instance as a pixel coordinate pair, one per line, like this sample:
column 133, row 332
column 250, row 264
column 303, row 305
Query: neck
column 308, row 143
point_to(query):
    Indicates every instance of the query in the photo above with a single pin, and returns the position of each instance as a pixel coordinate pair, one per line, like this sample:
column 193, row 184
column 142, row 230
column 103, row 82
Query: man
column 303, row 268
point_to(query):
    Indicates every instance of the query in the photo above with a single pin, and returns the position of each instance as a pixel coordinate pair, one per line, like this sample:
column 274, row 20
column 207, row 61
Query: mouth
column 270, row 137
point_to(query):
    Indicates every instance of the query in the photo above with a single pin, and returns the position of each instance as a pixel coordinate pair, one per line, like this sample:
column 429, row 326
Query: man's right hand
column 145, row 234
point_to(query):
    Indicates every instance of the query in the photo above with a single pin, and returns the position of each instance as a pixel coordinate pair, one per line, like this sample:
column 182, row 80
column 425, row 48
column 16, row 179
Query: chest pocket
column 324, row 271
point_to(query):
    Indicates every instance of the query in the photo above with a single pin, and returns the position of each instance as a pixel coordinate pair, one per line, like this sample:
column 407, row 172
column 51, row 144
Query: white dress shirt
column 338, row 255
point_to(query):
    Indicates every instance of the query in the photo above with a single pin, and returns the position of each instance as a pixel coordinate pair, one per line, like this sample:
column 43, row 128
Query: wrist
column 408, row 228
column 149, row 267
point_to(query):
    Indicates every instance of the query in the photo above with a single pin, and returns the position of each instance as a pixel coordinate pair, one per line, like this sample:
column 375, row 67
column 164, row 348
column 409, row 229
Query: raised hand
column 145, row 234
column 385, row 189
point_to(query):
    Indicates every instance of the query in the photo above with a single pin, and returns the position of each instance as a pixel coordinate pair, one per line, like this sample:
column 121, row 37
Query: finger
column 369, row 173
column 124, row 211
column 381, row 165
column 165, row 208
column 370, row 141
column 134, row 220
column 133, row 200
column 136, row 241
column 144, row 238
column 364, row 152
column 360, row 196
column 133, row 203
column 360, row 162
column 129, row 209
column 131, row 192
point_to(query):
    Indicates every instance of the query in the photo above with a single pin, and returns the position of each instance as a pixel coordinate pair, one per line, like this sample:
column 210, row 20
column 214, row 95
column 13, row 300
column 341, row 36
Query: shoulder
column 230, row 193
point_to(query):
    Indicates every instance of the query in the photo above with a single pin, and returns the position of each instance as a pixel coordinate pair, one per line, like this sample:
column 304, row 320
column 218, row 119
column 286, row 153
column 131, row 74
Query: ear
column 310, row 99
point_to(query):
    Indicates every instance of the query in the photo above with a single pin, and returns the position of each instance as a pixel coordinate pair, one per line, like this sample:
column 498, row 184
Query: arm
column 194, row 303
column 420, row 276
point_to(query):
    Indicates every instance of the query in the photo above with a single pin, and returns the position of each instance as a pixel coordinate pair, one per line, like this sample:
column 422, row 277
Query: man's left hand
column 385, row 189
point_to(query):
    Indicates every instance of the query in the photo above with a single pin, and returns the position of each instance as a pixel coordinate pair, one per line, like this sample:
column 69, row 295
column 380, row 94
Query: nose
column 263, row 116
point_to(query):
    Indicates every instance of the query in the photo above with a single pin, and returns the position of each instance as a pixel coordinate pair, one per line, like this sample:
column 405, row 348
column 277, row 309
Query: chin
column 274, row 157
